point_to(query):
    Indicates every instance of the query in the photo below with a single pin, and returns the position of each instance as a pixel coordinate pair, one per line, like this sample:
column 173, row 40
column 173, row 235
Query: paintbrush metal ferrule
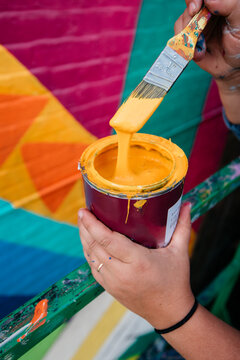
column 173, row 59
column 166, row 69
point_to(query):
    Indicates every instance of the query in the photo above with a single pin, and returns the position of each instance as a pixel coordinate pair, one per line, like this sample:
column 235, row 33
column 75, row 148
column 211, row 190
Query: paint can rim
column 174, row 153
column 140, row 196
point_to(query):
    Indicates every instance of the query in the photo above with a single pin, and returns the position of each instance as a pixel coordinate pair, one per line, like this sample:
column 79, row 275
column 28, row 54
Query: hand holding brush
column 218, row 48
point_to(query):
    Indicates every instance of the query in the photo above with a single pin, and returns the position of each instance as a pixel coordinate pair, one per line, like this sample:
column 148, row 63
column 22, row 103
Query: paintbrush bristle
column 148, row 91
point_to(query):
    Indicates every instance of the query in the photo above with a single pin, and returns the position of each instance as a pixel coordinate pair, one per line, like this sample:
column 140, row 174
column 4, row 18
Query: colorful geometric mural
column 64, row 69
column 41, row 144
column 78, row 50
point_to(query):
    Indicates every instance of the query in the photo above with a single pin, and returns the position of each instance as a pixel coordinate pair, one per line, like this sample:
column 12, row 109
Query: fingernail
column 80, row 214
column 188, row 204
column 192, row 8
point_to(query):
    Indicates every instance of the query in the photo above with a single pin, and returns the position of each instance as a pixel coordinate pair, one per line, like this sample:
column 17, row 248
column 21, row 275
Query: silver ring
column 100, row 266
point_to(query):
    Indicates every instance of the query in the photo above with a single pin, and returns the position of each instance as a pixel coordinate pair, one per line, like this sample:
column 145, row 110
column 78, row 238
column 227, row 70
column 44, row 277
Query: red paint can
column 147, row 215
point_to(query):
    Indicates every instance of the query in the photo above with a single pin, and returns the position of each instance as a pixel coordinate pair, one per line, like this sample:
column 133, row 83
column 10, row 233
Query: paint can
column 146, row 214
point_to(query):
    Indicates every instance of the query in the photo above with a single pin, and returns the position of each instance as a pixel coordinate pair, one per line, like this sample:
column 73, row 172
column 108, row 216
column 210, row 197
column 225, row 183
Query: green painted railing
column 69, row 295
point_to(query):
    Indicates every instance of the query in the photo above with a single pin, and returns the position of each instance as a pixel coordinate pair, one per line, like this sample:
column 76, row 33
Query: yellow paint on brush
column 133, row 114
column 139, row 204
column 95, row 340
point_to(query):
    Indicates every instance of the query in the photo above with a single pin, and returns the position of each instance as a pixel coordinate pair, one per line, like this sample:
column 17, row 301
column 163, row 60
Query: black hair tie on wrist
column 180, row 323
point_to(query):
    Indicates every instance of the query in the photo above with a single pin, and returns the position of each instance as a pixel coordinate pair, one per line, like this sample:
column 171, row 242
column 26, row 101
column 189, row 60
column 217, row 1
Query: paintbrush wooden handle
column 185, row 42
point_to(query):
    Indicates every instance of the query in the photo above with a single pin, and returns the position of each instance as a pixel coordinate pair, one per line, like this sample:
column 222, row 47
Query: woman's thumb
column 181, row 235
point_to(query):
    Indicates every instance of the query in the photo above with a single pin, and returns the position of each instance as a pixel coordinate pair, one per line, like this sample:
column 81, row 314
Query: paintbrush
column 172, row 60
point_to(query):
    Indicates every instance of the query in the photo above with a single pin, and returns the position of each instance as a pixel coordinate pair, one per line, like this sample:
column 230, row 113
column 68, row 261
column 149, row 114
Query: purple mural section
column 78, row 49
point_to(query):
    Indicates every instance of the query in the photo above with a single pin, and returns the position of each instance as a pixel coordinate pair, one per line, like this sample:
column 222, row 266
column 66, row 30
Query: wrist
column 230, row 97
column 181, row 322
column 173, row 312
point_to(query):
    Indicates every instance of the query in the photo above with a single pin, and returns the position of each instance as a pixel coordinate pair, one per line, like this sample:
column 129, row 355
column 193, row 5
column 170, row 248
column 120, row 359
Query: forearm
column 230, row 97
column 206, row 337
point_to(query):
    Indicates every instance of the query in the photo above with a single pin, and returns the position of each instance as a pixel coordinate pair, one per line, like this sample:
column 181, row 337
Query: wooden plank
column 71, row 294
column 65, row 298
column 215, row 188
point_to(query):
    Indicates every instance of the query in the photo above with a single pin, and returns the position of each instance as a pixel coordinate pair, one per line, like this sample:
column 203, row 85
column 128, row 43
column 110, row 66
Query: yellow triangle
column 53, row 124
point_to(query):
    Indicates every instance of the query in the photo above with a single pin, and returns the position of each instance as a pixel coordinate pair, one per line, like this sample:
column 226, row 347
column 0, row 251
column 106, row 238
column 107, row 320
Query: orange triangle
column 16, row 115
column 53, row 169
